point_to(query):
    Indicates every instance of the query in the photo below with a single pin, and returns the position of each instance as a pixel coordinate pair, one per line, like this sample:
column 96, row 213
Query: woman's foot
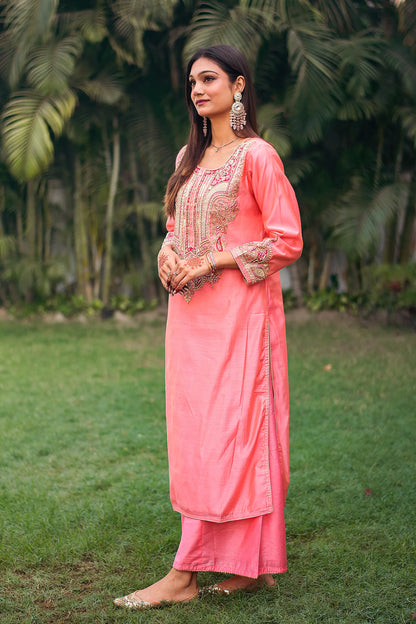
column 244, row 583
column 176, row 586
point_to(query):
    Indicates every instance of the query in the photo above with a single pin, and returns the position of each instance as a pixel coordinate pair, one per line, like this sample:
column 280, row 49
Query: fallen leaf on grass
column 328, row 367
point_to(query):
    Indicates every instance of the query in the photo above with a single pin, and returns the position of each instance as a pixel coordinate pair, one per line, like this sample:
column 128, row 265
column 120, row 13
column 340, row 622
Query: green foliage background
column 92, row 115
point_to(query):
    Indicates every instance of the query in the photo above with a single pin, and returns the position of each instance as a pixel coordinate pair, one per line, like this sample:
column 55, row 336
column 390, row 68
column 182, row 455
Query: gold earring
column 238, row 113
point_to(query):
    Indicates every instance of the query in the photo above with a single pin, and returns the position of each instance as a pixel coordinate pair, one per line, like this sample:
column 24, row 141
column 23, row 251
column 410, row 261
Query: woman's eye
column 208, row 78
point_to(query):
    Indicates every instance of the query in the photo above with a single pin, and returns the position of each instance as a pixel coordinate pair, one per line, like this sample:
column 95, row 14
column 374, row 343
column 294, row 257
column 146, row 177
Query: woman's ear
column 239, row 84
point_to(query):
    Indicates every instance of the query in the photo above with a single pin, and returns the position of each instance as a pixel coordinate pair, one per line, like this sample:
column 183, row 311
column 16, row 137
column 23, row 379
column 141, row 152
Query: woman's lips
column 199, row 102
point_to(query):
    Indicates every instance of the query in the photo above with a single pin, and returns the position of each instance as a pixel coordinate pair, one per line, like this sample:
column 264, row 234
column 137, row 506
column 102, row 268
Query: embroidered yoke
column 225, row 337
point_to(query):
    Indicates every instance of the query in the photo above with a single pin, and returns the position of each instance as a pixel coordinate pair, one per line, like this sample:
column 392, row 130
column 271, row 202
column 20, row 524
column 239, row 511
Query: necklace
column 221, row 146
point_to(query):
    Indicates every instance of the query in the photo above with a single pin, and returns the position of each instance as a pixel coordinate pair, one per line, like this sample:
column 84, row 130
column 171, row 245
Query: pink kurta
column 225, row 339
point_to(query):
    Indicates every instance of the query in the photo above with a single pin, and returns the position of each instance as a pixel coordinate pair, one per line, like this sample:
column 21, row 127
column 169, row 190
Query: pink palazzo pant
column 248, row 547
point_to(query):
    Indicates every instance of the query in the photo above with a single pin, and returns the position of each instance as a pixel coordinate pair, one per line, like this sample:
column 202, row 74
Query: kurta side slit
column 247, row 547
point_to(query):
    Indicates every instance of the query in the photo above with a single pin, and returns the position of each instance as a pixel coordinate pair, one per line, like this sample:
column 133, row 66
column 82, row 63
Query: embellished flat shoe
column 130, row 602
column 217, row 589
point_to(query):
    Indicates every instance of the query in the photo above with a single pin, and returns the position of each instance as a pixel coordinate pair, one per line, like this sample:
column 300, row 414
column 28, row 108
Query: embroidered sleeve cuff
column 168, row 239
column 253, row 259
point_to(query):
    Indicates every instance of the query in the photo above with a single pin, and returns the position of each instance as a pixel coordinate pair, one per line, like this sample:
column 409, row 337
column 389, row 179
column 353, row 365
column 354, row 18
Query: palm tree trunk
column 407, row 240
column 19, row 229
column 144, row 245
column 39, row 235
column 175, row 77
column 379, row 159
column 80, row 235
column 391, row 230
column 30, row 219
column 312, row 267
column 48, row 231
column 2, row 207
column 97, row 263
column 115, row 172
column 325, row 271
column 145, row 249
column 296, row 283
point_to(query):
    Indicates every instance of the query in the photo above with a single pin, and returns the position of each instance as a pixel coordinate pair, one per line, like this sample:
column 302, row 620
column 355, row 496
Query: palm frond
column 402, row 62
column 341, row 15
column 105, row 88
column 297, row 10
column 30, row 20
column 26, row 24
column 355, row 110
column 152, row 14
column 51, row 66
column 122, row 53
column 316, row 93
column 36, row 275
column 7, row 53
column 150, row 210
column 297, row 169
column 216, row 23
column 132, row 18
column 90, row 23
column 7, row 246
column 28, row 121
column 13, row 57
column 273, row 128
column 407, row 22
column 267, row 9
column 407, row 116
column 360, row 217
column 361, row 62
column 155, row 154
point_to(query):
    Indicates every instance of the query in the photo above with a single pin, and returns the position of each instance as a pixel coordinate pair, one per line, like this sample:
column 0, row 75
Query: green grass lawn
column 84, row 505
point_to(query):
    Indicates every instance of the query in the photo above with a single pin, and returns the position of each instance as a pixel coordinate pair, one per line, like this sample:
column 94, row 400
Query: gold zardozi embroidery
column 205, row 206
column 255, row 258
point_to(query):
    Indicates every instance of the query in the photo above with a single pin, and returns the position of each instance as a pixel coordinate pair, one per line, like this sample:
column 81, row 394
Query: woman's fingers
column 187, row 270
column 175, row 273
column 167, row 262
column 169, row 286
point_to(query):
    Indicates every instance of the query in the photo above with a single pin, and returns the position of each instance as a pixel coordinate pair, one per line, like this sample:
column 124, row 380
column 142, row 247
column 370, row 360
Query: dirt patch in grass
column 55, row 594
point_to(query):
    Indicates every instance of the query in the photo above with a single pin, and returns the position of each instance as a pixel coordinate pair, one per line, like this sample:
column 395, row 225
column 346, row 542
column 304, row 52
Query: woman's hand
column 167, row 261
column 187, row 270
column 175, row 273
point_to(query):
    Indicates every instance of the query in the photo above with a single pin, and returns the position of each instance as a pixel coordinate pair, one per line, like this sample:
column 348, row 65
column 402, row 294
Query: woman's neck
column 221, row 132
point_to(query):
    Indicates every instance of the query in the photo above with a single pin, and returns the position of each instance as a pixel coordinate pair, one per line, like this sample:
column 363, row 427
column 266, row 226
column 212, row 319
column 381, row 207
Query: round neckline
column 239, row 146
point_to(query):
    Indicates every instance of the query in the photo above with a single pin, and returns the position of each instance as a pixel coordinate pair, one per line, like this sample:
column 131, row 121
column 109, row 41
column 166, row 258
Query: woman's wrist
column 223, row 260
column 211, row 264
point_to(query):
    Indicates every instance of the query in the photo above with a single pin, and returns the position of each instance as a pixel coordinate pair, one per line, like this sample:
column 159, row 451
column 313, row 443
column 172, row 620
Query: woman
column 233, row 223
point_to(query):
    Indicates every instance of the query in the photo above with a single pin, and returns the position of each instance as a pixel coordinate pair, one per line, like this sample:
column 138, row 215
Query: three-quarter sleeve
column 170, row 226
column 170, row 223
column 276, row 200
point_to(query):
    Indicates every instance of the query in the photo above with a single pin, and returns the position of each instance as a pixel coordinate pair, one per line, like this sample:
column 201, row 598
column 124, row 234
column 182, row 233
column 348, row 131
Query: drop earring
column 238, row 113
column 204, row 127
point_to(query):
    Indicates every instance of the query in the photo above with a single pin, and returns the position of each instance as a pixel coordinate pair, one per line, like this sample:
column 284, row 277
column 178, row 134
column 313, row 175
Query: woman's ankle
column 185, row 578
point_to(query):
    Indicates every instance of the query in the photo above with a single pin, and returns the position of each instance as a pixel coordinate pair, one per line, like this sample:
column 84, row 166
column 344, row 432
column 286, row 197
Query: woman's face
column 211, row 89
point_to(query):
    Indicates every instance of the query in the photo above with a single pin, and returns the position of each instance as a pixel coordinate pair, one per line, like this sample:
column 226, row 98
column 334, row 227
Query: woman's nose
column 198, row 88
